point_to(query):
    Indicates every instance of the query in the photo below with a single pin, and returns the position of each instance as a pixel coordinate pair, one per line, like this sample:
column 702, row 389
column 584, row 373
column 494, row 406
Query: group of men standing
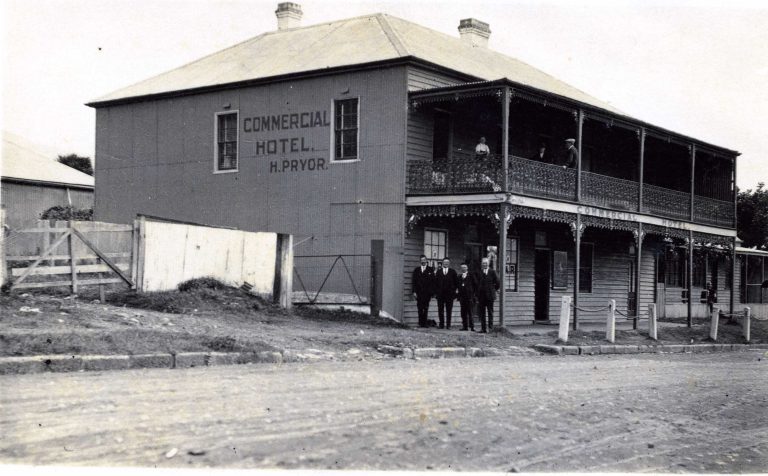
column 446, row 285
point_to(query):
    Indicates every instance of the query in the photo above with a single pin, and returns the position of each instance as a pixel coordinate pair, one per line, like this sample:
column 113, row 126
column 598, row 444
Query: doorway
column 542, row 269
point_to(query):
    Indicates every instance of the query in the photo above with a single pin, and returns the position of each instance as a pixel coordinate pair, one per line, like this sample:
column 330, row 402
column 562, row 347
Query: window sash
column 346, row 125
column 226, row 137
column 510, row 265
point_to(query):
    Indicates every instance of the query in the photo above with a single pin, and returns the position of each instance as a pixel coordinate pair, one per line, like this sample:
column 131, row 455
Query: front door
column 542, row 268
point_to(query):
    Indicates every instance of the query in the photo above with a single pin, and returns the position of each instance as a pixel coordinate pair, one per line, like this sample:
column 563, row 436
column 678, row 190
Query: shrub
column 206, row 282
column 68, row 213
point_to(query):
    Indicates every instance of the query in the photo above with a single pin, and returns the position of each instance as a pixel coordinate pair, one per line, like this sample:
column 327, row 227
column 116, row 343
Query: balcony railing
column 609, row 192
column 455, row 176
column 666, row 202
column 714, row 212
column 529, row 177
column 540, row 179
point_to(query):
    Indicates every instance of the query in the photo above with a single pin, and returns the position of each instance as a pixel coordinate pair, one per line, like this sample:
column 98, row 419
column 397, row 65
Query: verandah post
column 733, row 277
column 689, row 281
column 638, row 263
column 578, row 171
column 501, row 261
column 577, row 267
column 641, row 171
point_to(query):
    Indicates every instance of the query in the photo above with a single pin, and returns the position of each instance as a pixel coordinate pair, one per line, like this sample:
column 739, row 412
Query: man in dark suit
column 422, row 287
column 445, row 290
column 487, row 285
column 466, row 293
column 571, row 154
column 542, row 155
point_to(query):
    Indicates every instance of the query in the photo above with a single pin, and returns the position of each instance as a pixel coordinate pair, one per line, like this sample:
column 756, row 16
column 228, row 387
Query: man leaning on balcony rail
column 571, row 154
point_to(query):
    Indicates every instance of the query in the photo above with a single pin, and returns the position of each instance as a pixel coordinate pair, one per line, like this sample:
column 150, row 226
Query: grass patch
column 128, row 342
column 345, row 315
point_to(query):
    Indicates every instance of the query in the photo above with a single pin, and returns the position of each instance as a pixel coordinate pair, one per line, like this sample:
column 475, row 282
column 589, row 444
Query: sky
column 697, row 67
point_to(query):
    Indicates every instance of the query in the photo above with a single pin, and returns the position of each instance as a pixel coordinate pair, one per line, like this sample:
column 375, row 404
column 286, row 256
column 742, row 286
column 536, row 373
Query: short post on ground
column 652, row 324
column 565, row 316
column 610, row 323
column 714, row 320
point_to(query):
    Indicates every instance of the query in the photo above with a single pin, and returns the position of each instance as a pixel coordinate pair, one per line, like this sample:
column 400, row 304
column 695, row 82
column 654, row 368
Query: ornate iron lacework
column 709, row 240
column 609, row 223
column 456, row 96
column 666, row 232
column 520, row 211
column 414, row 214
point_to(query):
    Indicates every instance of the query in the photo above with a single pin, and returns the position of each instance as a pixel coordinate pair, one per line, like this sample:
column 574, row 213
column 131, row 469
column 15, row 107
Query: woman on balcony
column 482, row 155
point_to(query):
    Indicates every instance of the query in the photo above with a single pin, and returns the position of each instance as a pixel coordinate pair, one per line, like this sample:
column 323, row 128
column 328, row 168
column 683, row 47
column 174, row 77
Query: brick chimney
column 474, row 32
column 288, row 15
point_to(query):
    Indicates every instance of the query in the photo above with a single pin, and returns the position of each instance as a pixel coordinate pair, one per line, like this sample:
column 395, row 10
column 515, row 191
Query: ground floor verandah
column 634, row 264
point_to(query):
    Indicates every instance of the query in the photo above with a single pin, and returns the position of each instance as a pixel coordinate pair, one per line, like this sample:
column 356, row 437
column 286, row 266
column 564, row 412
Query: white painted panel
column 175, row 252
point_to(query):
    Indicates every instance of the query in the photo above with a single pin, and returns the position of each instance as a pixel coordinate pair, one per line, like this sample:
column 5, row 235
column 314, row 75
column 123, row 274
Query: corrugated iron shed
column 354, row 41
column 22, row 162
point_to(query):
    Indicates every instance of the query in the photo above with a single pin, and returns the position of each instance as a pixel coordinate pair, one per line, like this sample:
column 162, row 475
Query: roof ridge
column 511, row 58
column 391, row 34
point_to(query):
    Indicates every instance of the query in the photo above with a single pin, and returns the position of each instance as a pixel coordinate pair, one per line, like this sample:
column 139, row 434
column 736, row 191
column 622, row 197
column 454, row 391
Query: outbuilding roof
column 21, row 161
column 354, row 41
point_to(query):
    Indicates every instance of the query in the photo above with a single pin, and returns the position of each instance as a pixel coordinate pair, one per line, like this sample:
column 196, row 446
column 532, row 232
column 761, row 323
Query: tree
column 83, row 164
column 752, row 216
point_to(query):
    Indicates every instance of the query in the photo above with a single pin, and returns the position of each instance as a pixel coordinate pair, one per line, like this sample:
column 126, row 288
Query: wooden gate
column 72, row 254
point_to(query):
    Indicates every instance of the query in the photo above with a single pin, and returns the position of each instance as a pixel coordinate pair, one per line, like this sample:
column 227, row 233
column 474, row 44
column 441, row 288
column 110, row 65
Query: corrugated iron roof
column 21, row 161
column 349, row 42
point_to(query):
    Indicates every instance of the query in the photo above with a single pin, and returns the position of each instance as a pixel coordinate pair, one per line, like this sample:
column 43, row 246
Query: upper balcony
column 621, row 166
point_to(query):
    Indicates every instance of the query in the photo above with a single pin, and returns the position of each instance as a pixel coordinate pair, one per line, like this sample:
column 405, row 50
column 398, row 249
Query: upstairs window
column 346, row 124
column 226, row 142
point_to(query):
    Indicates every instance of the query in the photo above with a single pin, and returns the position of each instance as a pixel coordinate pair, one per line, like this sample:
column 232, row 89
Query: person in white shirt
column 467, row 284
column 481, row 149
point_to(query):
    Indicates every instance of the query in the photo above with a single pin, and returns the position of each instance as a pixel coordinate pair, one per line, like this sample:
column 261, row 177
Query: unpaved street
column 683, row 412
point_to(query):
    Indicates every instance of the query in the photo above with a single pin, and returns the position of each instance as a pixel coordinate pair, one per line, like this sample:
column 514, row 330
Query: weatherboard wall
column 157, row 158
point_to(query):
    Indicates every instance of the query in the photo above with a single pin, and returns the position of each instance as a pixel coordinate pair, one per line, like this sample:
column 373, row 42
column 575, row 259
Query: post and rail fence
column 147, row 255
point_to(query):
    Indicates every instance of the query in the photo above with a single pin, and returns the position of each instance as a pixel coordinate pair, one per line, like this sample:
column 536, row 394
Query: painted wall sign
column 291, row 151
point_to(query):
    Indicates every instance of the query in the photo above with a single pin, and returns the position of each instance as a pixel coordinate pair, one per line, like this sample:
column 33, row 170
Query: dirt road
column 680, row 413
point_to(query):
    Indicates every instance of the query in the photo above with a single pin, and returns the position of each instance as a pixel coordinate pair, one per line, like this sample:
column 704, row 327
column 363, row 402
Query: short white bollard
column 565, row 317
column 610, row 323
column 652, row 326
column 745, row 323
column 714, row 320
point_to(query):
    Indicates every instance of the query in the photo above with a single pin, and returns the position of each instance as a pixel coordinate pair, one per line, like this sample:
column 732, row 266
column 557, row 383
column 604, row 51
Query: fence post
column 377, row 276
column 135, row 254
column 141, row 248
column 72, row 258
column 652, row 326
column 283, row 287
column 714, row 320
column 745, row 323
column 3, row 264
column 565, row 315
column 610, row 324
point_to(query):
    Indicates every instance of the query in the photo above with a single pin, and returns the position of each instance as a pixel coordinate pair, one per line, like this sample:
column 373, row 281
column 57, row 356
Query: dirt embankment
column 206, row 316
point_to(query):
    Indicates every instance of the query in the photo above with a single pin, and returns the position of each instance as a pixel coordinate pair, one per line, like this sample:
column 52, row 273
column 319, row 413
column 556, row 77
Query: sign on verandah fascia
column 265, row 135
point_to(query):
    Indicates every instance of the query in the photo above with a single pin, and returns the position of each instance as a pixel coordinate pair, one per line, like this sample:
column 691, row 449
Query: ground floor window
column 435, row 245
column 510, row 265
